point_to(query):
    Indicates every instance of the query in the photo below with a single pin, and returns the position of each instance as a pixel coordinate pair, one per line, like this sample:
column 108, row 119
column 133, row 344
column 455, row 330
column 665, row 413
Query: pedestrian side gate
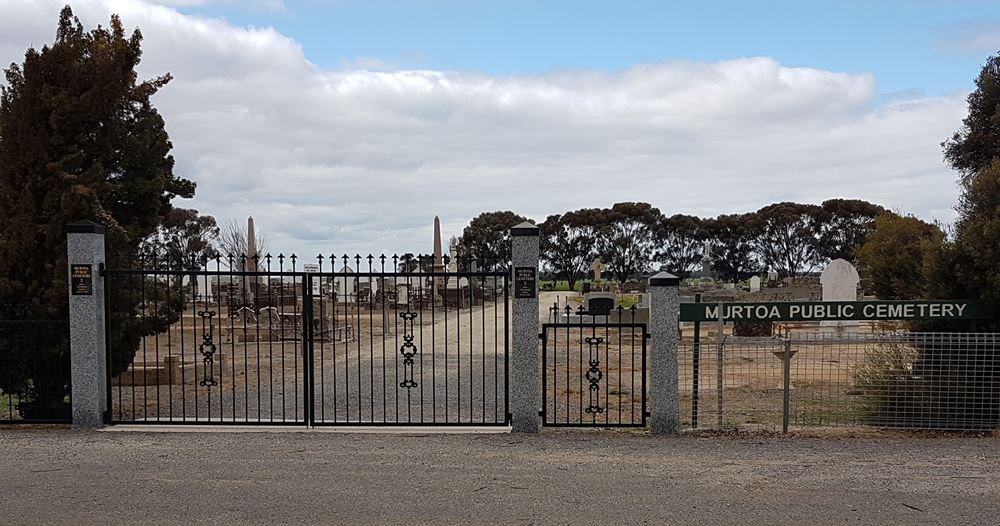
column 594, row 369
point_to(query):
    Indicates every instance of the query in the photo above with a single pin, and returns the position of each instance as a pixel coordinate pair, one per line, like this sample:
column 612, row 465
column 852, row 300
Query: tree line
column 634, row 238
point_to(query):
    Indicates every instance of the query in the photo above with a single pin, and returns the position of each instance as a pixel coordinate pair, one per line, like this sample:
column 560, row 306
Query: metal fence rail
column 345, row 341
column 34, row 371
column 594, row 369
column 937, row 381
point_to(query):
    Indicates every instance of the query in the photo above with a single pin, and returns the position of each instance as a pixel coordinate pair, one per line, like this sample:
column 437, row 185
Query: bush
column 753, row 328
column 930, row 385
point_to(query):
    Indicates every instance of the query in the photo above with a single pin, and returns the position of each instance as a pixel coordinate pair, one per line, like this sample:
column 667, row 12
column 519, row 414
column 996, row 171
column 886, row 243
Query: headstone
column 706, row 259
column 599, row 303
column 772, row 275
column 840, row 283
column 597, row 267
column 644, row 301
column 402, row 294
column 345, row 287
column 453, row 255
column 755, row 284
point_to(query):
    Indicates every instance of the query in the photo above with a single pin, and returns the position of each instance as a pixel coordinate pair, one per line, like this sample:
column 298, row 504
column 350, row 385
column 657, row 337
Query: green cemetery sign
column 837, row 310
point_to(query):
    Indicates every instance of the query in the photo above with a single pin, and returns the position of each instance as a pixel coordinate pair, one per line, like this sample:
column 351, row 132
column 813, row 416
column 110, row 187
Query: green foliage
column 895, row 256
column 974, row 257
column 753, row 328
column 844, row 225
column 632, row 238
column 734, row 248
column 487, row 238
column 184, row 238
column 971, row 149
column 568, row 243
column 971, row 264
column 626, row 241
column 39, row 379
column 679, row 243
column 788, row 237
column 929, row 385
column 79, row 140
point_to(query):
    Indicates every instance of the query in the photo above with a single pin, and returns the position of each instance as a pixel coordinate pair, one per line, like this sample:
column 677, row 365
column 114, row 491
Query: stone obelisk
column 438, row 261
column 251, row 247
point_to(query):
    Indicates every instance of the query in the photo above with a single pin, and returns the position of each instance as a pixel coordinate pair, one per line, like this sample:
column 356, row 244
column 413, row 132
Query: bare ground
column 62, row 477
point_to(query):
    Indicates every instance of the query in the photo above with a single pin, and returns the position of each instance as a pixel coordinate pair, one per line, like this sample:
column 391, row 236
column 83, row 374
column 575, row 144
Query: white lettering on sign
column 835, row 311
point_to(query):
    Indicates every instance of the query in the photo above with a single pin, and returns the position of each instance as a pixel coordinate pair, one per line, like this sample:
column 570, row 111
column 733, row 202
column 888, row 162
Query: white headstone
column 453, row 255
column 772, row 276
column 402, row 294
column 346, row 288
column 755, row 284
column 840, row 281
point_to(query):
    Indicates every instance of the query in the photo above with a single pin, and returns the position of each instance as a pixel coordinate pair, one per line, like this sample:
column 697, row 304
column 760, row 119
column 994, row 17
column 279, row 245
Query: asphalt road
column 578, row 477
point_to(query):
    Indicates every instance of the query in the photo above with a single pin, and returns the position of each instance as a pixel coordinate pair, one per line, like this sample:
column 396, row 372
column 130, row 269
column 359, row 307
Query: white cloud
column 362, row 160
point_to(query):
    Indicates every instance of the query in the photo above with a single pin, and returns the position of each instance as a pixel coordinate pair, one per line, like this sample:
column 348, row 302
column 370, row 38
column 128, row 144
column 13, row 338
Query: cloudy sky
column 345, row 125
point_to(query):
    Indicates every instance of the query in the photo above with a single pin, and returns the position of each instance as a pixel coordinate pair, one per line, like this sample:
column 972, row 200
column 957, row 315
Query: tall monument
column 438, row 261
column 438, row 282
column 251, row 265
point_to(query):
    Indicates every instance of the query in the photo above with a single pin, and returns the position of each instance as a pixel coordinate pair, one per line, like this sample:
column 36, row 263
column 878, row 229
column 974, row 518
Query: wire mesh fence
column 935, row 381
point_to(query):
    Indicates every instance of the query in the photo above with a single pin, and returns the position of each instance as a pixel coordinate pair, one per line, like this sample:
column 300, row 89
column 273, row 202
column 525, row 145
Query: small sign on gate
column 313, row 268
column 525, row 284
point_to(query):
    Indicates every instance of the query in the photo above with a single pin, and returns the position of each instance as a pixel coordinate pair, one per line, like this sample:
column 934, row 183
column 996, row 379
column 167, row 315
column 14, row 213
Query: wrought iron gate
column 594, row 369
column 345, row 341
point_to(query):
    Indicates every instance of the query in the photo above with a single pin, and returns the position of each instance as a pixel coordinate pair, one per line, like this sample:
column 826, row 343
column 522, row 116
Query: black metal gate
column 343, row 341
column 594, row 369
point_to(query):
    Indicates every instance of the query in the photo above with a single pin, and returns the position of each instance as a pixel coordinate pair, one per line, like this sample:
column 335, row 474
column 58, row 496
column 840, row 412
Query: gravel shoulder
column 64, row 477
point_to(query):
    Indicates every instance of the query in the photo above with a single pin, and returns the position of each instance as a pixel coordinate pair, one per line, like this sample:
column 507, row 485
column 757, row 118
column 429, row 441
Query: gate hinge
column 541, row 413
column 100, row 269
column 647, row 414
column 647, row 336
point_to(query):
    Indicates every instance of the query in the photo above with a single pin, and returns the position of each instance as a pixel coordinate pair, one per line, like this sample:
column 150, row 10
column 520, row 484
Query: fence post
column 664, row 316
column 786, row 374
column 88, row 364
column 525, row 388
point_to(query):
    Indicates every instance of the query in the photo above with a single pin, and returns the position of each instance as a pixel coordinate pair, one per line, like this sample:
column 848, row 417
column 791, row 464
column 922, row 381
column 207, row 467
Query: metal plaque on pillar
column 81, row 280
column 525, row 283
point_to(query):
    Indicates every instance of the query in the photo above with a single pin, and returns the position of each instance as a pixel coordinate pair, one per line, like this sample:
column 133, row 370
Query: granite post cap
column 664, row 279
column 526, row 228
column 85, row 227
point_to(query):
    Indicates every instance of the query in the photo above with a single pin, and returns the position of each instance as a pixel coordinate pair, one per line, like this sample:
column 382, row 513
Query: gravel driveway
column 58, row 476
